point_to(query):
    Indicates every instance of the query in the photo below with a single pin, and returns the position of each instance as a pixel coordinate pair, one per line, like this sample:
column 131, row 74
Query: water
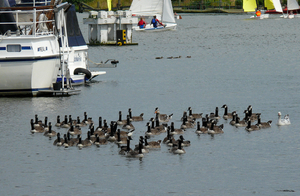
column 234, row 61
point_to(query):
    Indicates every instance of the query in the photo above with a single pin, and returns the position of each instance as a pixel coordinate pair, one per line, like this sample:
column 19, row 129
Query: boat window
column 14, row 48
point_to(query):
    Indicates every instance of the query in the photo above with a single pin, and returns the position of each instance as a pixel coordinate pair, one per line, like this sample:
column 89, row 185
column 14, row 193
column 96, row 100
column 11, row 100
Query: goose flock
column 121, row 131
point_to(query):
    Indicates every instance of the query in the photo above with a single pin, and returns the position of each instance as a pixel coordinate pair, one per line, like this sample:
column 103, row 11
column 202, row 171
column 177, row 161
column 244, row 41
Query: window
column 13, row 48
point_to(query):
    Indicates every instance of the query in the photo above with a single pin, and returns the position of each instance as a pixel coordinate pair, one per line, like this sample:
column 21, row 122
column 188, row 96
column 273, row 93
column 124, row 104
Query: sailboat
column 162, row 9
column 251, row 6
column 291, row 5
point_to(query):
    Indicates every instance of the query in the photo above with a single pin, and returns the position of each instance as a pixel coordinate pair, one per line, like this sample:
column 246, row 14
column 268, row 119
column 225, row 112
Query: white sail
column 292, row 5
column 277, row 5
column 168, row 14
column 146, row 7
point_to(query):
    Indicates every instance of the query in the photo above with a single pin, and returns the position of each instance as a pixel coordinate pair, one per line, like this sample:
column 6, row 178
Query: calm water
column 234, row 61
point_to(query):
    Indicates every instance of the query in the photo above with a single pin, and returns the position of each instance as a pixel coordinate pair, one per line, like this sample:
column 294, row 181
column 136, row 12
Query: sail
column 109, row 5
column 269, row 4
column 249, row 5
column 146, row 7
column 168, row 14
column 292, row 5
column 277, row 5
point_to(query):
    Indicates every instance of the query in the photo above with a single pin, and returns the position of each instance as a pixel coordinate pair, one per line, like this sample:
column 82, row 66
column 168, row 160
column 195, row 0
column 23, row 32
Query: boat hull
column 26, row 77
column 169, row 26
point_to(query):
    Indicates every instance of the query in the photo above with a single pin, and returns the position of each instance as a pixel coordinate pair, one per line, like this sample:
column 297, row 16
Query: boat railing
column 31, row 21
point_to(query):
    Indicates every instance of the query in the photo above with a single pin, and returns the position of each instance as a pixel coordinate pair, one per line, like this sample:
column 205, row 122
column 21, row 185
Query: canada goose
column 137, row 147
column 80, row 144
column 99, row 128
column 152, row 144
column 135, row 118
column 196, row 116
column 125, row 134
column 203, row 129
column 160, row 127
column 126, row 148
column 119, row 139
column 120, row 121
column 101, row 134
column 186, row 117
column 66, row 141
column 175, row 131
column 87, row 141
column 87, row 120
column 73, row 141
column 169, row 137
column 136, row 154
column 263, row 124
column 163, row 117
column 252, row 116
column 36, row 129
column 188, row 56
column 79, row 123
column 151, row 132
column 59, row 141
column 215, row 115
column 159, row 57
column 284, row 121
column 242, row 123
column 215, row 129
column 177, row 149
column 64, row 124
column 250, row 127
column 128, row 124
column 58, row 123
column 187, row 124
column 233, row 121
column 75, row 130
column 111, row 135
column 226, row 115
column 184, row 142
column 50, row 133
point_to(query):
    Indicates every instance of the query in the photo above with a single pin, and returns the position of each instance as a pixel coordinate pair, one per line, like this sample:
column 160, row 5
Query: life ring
column 87, row 73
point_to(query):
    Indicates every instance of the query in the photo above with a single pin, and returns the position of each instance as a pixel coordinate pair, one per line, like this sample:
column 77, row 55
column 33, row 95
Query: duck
column 135, row 118
column 128, row 124
column 36, row 129
column 250, row 127
column 184, row 142
column 159, row 57
column 284, row 121
column 263, row 124
column 175, row 131
column 192, row 115
column 226, row 115
column 152, row 144
column 188, row 56
column 120, row 121
column 50, row 133
column 177, row 149
column 203, row 129
column 59, row 141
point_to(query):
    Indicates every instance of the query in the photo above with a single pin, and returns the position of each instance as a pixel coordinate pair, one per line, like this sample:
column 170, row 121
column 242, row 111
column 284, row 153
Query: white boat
column 162, row 9
column 76, row 53
column 30, row 56
column 291, row 5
